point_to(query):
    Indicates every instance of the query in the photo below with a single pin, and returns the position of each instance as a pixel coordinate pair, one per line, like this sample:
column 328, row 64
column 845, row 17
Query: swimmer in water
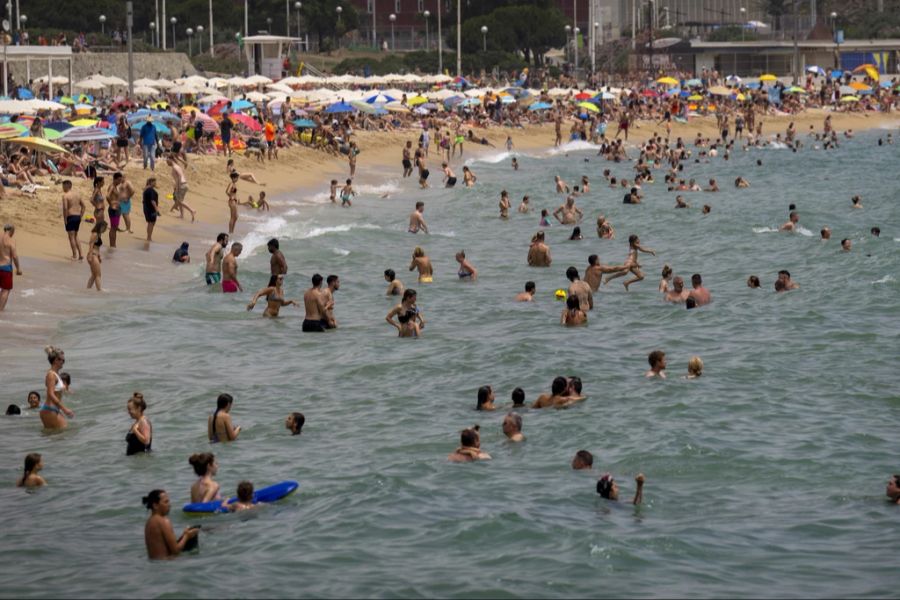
column 539, row 251
column 294, row 423
column 274, row 294
column 605, row 229
column 469, row 178
column 557, row 394
column 609, row 489
column 593, row 275
column 528, row 294
column 740, row 182
column 260, row 205
column 219, row 427
column 846, row 245
column 753, row 282
column 791, row 225
column 524, row 207
column 680, row 203
column 580, row 289
column 485, row 399
column 512, row 427
column 504, row 204
column 657, row 360
column 664, row 281
column 205, row 489
column 545, row 218
column 825, row 234
column 784, row 278
column 695, row 368
column 576, row 234
column 699, row 294
column 449, row 176
column 561, row 186
column 631, row 263
column 333, row 191
column 466, row 270
column 395, row 286
column 583, row 461
column 409, row 328
column 893, row 489
column 422, row 263
column 856, row 202
column 407, row 305
column 713, row 186
column 568, row 213
column 347, row 193
column 469, row 449
column 515, row 164
column 416, row 220
column 572, row 315
column 30, row 478
column 158, row 533
column 244, row 498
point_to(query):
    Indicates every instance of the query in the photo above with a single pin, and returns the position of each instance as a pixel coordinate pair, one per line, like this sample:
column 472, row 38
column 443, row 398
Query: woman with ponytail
column 140, row 436
column 30, row 477
column 52, row 411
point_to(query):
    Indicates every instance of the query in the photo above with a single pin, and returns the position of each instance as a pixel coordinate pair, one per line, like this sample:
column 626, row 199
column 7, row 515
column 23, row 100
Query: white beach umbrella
column 110, row 80
column 256, row 97
column 57, row 80
column 211, row 98
column 236, row 81
column 280, row 87
column 143, row 81
column 184, row 88
column 163, row 84
column 217, row 82
column 143, row 90
column 257, row 80
column 90, row 84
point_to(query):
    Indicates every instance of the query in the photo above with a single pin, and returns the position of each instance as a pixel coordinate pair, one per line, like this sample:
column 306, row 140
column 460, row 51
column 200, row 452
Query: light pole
column 298, row 6
column 153, row 39
column 102, row 24
column 743, row 22
column 161, row 26
column 339, row 10
column 287, row 18
column 392, row 18
column 269, row 25
column 22, row 20
column 173, row 21
column 155, row 24
column 484, row 31
column 440, row 39
column 459, row 38
column 834, row 37
column 594, row 47
column 575, row 32
column 374, row 26
column 568, row 34
column 427, row 14
column 199, row 39
column 212, row 50
column 190, row 36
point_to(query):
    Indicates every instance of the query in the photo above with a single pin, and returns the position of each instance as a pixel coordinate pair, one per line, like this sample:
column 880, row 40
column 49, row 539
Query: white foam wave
column 765, row 230
column 28, row 293
column 340, row 251
column 804, row 231
column 778, row 146
column 885, row 279
column 573, row 146
column 388, row 187
column 320, row 231
column 491, row 159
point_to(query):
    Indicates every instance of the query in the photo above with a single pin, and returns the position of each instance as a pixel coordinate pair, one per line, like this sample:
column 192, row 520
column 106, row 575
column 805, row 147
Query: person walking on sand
column 180, row 191
column 8, row 258
column 72, row 213
column 352, row 153
column 150, row 202
column 93, row 256
column 231, row 191
column 230, row 283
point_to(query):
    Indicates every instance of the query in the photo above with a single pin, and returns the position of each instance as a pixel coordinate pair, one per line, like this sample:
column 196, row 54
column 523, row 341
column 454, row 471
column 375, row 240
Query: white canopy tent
column 37, row 54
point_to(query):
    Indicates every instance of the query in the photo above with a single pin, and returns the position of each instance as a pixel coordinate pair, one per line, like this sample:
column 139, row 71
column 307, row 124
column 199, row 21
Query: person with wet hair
column 469, row 449
column 205, row 489
column 485, row 398
column 294, row 422
column 158, row 533
column 609, row 489
column 512, row 427
column 583, row 460
column 30, row 478
column 557, row 393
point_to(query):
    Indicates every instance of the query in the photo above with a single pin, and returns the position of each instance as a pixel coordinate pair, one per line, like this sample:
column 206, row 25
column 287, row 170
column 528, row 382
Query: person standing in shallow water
column 53, row 412
column 140, row 436
column 469, row 449
column 314, row 303
column 158, row 533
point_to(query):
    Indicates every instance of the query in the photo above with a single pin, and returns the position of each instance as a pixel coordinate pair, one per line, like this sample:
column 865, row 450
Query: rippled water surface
column 764, row 478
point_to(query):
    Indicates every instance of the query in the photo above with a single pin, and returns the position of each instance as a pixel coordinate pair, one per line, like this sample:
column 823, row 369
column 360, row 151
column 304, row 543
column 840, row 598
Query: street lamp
column 190, row 34
column 837, row 44
column 102, row 24
column 484, row 31
column 298, row 6
column 173, row 20
column 268, row 24
column 200, row 39
column 594, row 47
column 427, row 14
column 568, row 33
column 153, row 34
column 743, row 22
column 392, row 18
column 339, row 10
column 576, row 31
column 23, row 19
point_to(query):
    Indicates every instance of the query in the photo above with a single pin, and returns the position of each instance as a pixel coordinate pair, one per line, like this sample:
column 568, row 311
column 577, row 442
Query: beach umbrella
column 540, row 106
column 25, row 94
column 816, row 70
column 66, row 100
column 52, row 135
column 57, row 80
column 719, row 90
column 39, row 144
column 583, row 96
column 380, row 99
column 90, row 84
column 364, row 107
column 733, row 79
column 85, row 122
column 257, row 80
column 416, row 100
column 469, row 102
column 144, row 81
column 860, row 87
column 256, row 97
column 693, row 82
column 143, row 90
column 304, row 124
column 162, row 83
column 768, row 77
column 846, row 90
column 85, row 134
column 795, row 90
column 339, row 107
column 241, row 105
column 183, row 89
column 695, row 98
column 869, row 69
column 850, row 99
column 162, row 104
column 607, row 96
column 588, row 106
column 190, row 109
column 120, row 104
column 245, row 120
column 212, row 99
column 395, row 107
column 12, row 130
column 665, row 81
column 207, row 123
column 648, row 93
column 58, row 125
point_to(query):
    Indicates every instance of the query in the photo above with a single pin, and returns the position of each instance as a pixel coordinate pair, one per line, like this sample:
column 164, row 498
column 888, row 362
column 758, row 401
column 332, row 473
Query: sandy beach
column 44, row 250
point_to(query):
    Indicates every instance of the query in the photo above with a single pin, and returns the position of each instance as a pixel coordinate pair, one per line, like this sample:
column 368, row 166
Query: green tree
column 320, row 17
column 527, row 29
column 776, row 9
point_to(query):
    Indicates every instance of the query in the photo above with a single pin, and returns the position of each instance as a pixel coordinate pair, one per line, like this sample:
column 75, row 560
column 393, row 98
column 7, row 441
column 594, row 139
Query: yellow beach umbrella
column 768, row 77
column 740, row 97
column 667, row 80
column 39, row 144
column 416, row 100
column 695, row 98
column 850, row 99
column 84, row 122
column 192, row 109
column 588, row 106
column 161, row 105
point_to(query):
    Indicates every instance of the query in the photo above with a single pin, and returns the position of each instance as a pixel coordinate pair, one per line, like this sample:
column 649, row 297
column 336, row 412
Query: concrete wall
column 146, row 64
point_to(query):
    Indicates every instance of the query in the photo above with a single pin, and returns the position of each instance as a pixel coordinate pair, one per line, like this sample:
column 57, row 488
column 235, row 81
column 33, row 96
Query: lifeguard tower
column 265, row 54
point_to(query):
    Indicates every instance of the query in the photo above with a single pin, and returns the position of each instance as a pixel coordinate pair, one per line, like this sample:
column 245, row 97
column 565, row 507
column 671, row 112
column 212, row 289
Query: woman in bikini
column 139, row 438
column 423, row 264
column 205, row 466
column 98, row 201
column 274, row 295
column 53, row 412
column 219, row 426
column 466, row 270
column 93, row 256
column 232, row 191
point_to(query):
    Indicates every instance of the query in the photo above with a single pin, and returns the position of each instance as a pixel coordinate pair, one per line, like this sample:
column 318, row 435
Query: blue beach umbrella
column 380, row 99
column 470, row 102
column 58, row 125
column 304, row 124
column 453, row 101
column 540, row 106
column 339, row 107
column 693, row 82
column 241, row 104
column 25, row 94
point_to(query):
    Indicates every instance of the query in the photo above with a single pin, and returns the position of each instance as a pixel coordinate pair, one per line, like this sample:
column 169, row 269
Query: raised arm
column 639, row 492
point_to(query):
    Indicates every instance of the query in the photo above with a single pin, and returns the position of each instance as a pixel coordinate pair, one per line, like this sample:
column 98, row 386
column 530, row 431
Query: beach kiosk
column 43, row 59
column 265, row 54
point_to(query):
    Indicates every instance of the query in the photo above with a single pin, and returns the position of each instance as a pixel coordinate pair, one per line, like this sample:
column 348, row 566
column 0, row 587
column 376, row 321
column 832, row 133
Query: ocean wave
column 885, row 279
column 491, row 159
column 574, row 146
column 765, row 230
column 341, row 251
column 320, row 231
column 803, row 231
column 778, row 146
column 388, row 187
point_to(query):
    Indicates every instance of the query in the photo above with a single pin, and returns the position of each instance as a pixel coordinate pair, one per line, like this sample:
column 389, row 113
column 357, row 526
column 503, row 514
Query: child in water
column 545, row 217
column 244, row 497
column 408, row 325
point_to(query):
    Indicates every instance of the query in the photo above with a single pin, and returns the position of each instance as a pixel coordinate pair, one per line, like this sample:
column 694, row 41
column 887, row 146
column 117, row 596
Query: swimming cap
column 560, row 294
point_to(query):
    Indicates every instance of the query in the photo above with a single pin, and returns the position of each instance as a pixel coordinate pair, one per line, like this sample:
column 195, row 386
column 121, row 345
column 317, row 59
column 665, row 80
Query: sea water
column 765, row 477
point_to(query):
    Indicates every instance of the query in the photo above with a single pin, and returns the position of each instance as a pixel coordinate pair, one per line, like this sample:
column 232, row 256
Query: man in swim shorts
column 407, row 163
column 8, row 258
column 214, row 259
column 314, row 303
column 416, row 220
column 449, row 176
column 333, row 284
column 72, row 212
column 230, row 283
column 125, row 191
